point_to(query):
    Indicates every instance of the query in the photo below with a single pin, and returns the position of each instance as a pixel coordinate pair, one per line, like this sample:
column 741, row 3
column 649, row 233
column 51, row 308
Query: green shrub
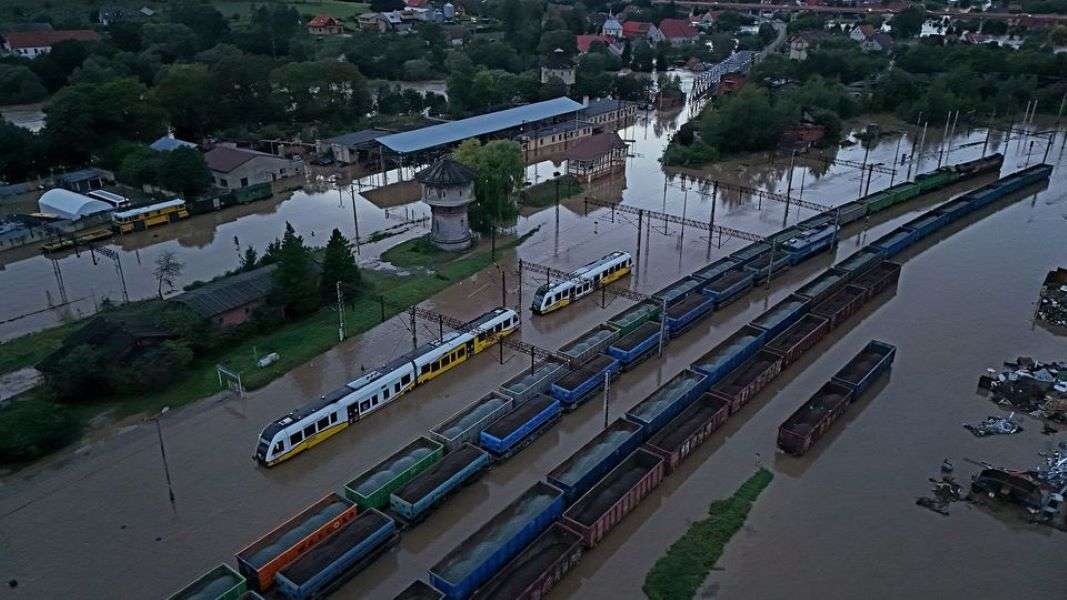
column 32, row 428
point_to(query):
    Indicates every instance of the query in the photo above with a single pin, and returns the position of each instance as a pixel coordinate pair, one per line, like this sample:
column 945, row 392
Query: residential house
column 612, row 28
column 730, row 83
column 678, row 31
column 558, row 66
column 354, row 147
column 586, row 41
column 862, row 32
column 324, row 25
column 456, row 35
column 235, row 168
column 879, row 42
column 31, row 44
column 603, row 111
column 231, row 300
column 635, row 30
column 168, row 143
column 417, row 3
column 555, row 136
column 596, row 156
column 120, row 336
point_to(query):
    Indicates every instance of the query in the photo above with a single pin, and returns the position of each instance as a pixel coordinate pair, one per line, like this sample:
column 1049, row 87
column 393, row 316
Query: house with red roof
column 417, row 3
column 635, row 30
column 324, row 25
column 31, row 44
column 678, row 31
column 586, row 41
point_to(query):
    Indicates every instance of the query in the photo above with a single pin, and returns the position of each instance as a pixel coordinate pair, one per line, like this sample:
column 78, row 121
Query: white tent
column 66, row 204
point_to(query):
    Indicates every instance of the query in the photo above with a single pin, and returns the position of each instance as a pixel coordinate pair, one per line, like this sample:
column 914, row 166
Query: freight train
column 526, row 548
column 581, row 282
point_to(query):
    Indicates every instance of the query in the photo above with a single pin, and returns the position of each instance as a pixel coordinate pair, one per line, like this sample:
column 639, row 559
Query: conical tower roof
column 445, row 172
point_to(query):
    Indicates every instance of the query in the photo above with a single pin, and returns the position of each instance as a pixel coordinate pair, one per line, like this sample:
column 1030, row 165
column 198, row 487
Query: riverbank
column 679, row 573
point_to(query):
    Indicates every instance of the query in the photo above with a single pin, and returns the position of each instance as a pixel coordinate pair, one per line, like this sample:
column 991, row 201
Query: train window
column 279, row 447
column 437, row 365
column 323, row 423
column 385, row 393
column 364, row 406
column 296, row 438
column 406, row 379
column 446, row 360
column 425, row 369
column 333, row 417
column 396, row 387
column 309, row 430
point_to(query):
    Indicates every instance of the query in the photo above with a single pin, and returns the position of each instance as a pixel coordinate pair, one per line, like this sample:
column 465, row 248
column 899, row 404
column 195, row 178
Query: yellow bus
column 139, row 219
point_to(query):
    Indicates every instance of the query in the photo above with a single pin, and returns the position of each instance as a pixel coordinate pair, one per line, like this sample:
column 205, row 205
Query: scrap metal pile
column 1039, row 389
column 994, row 425
column 1052, row 307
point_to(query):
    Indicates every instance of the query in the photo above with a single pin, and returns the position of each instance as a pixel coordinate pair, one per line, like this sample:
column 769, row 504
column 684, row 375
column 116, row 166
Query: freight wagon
column 729, row 286
column 373, row 487
column 467, row 425
column 634, row 317
column 822, row 286
column 631, row 348
column 955, row 209
column 880, row 278
column 748, row 379
column 805, row 426
column 503, row 537
column 678, row 290
column 896, row 194
column 428, row 489
column 799, row 338
column 668, row 400
column 716, row 269
column 859, row 262
column 731, row 352
column 337, row 558
column 615, row 496
column 777, row 318
column 220, row 583
column 809, row 241
column 750, row 253
column 894, row 242
column 419, row 590
column 577, row 386
column 267, row 555
column 534, row 381
column 589, row 344
column 766, row 265
column 865, row 367
column 819, row 220
column 686, row 313
column 688, row 430
column 842, row 305
column 537, row 569
column 519, row 428
column 601, row 454
column 927, row 223
column 850, row 212
column 1006, row 185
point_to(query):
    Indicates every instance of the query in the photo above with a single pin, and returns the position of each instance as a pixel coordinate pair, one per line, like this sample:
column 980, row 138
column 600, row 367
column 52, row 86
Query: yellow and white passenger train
column 581, row 282
column 309, row 425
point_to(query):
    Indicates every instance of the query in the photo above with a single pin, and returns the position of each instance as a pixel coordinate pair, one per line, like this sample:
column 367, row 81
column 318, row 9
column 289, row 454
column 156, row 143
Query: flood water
column 840, row 522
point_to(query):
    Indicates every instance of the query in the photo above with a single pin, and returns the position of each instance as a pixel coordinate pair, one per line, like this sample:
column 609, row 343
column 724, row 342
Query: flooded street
column 840, row 522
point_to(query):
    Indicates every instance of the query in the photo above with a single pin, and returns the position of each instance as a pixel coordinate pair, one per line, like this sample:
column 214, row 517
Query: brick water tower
column 448, row 187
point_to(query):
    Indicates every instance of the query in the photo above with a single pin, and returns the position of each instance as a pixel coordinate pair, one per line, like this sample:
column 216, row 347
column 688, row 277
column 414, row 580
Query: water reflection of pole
column 866, row 152
column 355, row 213
column 789, row 187
column 664, row 202
column 988, row 133
column 711, row 223
column 1028, row 152
column 896, row 156
column 922, row 147
column 944, row 138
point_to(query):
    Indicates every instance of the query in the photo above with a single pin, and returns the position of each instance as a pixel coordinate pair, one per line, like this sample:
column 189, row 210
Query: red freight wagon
column 805, row 426
column 614, row 496
column 842, row 305
column 748, row 379
column 883, row 276
column 274, row 551
column 799, row 338
column 688, row 430
column 537, row 569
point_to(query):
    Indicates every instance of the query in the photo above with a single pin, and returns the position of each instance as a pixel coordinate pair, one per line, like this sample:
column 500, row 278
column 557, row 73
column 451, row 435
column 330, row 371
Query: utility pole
column 870, row 172
column 711, row 223
column 866, row 151
column 896, row 157
column 662, row 327
column 519, row 309
column 414, row 331
column 166, row 466
column 607, row 393
column 988, row 133
column 355, row 214
column 340, row 314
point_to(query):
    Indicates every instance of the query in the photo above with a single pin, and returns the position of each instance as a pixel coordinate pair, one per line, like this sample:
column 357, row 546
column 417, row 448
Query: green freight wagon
column 220, row 583
column 927, row 182
column 882, row 200
column 373, row 487
column 630, row 319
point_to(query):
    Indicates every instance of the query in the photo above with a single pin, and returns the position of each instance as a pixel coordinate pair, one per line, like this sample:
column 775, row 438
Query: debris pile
column 1040, row 491
column 994, row 425
column 1052, row 307
column 1039, row 389
column 946, row 491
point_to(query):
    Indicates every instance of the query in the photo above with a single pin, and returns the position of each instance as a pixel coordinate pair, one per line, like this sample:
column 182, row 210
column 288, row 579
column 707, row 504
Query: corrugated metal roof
column 228, row 293
column 455, row 131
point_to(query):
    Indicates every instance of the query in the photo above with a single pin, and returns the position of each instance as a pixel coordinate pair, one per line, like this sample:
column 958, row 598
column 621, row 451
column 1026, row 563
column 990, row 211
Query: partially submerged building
column 230, row 300
column 596, row 156
column 354, row 147
column 69, row 205
column 448, row 187
column 235, row 168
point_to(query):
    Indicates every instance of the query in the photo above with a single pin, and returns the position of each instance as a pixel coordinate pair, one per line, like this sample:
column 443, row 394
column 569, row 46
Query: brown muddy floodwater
column 838, row 523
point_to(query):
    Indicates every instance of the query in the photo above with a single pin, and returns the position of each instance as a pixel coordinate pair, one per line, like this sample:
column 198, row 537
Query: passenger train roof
column 382, row 371
column 489, row 316
column 306, row 410
column 598, row 263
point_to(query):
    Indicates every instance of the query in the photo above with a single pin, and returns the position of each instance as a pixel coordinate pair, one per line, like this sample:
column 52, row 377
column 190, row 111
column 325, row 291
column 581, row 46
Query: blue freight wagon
column 336, row 558
column 481, row 555
column 576, row 387
column 927, row 223
column 750, row 252
column 668, row 400
column 592, row 461
column 686, row 313
column 729, row 286
column 777, row 318
column 533, row 381
column 894, row 242
column 810, row 241
column 859, row 262
column 589, row 344
column 678, row 290
column 639, row 343
column 732, row 351
column 415, row 500
column 768, row 264
column 716, row 269
column 419, row 590
column 865, row 367
column 466, row 425
column 517, row 429
column 822, row 286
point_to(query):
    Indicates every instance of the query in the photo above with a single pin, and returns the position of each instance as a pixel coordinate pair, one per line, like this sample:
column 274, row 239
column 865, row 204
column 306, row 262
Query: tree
column 909, row 22
column 204, row 20
column 746, row 121
column 83, row 118
column 249, row 259
column 296, row 281
column 167, row 269
column 632, row 87
column 643, row 55
column 324, row 89
column 184, row 91
column 170, row 41
column 19, row 85
column 184, row 170
column 339, row 266
column 22, row 153
column 386, row 5
column 561, row 39
column 500, row 171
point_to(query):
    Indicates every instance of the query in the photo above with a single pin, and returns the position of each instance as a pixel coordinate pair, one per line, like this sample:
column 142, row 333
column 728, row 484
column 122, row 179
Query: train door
column 353, row 412
column 470, row 347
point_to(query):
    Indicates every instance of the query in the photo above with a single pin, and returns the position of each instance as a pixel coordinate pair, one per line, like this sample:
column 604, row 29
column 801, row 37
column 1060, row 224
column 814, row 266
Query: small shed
column 86, row 180
column 448, row 187
column 69, row 205
column 230, row 300
column 596, row 156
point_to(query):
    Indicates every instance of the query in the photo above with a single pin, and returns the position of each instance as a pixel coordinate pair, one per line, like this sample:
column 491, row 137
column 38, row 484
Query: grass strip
column 544, row 193
column 678, row 574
